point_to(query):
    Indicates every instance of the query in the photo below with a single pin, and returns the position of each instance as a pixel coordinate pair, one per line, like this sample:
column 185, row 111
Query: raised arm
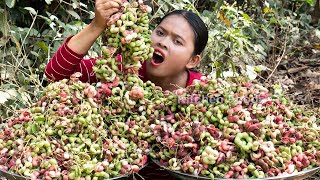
column 82, row 42
column 69, row 57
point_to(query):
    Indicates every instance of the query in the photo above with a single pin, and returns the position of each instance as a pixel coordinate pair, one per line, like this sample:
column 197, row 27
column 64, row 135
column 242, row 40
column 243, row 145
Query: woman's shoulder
column 192, row 76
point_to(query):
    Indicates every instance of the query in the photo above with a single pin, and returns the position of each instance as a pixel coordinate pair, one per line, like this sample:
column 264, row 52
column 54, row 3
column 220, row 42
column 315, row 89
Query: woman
column 178, row 41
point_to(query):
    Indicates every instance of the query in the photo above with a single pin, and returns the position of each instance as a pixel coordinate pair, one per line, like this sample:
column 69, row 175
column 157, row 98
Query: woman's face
column 173, row 42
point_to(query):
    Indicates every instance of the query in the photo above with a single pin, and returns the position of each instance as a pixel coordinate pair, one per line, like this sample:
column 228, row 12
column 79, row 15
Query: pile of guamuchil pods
column 78, row 130
column 90, row 131
column 215, row 128
column 234, row 129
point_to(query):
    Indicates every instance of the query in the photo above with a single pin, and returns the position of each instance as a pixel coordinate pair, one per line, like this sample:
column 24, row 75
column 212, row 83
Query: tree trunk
column 316, row 12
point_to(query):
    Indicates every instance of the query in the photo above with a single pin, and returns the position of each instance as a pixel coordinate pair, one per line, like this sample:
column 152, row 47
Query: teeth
column 157, row 53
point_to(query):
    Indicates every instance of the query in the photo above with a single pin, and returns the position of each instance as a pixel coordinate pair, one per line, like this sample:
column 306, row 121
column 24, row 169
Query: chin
column 160, row 71
column 155, row 72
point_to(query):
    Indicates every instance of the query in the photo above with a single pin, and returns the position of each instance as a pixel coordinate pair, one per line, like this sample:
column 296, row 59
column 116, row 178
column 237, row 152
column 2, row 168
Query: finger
column 120, row 2
column 107, row 4
column 111, row 4
column 110, row 12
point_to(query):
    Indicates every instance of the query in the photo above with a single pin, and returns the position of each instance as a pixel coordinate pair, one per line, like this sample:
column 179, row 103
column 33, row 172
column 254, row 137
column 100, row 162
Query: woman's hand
column 103, row 11
column 82, row 42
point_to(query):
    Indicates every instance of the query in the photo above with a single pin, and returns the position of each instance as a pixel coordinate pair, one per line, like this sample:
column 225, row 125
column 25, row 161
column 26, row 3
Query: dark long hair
column 198, row 26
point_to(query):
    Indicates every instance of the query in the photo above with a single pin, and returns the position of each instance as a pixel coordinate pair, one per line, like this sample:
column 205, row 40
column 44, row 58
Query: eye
column 159, row 33
column 178, row 42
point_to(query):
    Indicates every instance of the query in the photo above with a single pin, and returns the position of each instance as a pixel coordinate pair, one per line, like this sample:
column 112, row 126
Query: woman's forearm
column 82, row 42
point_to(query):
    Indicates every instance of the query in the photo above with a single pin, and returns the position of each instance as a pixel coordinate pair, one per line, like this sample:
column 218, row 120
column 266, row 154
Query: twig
column 24, row 39
column 279, row 60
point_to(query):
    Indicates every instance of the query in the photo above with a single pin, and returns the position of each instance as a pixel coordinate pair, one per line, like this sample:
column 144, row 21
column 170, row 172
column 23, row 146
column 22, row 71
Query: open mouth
column 157, row 58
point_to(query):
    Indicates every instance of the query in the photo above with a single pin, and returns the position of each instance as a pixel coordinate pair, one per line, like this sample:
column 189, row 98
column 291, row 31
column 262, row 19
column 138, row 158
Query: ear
column 194, row 61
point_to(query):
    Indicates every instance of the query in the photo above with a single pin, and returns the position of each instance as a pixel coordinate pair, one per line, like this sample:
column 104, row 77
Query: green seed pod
column 132, row 44
column 131, row 17
column 110, row 40
column 135, row 4
column 142, row 47
column 114, row 67
column 134, row 26
column 150, row 55
column 136, row 48
column 145, row 56
column 136, row 30
column 119, row 23
column 98, row 62
column 148, row 45
column 146, row 22
column 122, row 29
column 114, row 30
column 124, row 49
column 115, row 45
column 139, row 43
column 129, row 23
column 123, row 17
column 116, row 40
column 143, row 29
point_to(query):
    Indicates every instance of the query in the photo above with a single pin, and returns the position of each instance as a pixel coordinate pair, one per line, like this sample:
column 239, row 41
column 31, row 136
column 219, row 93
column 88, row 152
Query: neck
column 170, row 83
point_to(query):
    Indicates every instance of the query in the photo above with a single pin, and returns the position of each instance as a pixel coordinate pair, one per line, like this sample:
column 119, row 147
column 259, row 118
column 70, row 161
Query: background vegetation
column 274, row 41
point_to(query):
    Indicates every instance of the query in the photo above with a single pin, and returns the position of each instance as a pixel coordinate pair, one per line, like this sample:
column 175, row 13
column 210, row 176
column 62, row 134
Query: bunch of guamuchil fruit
column 234, row 129
column 215, row 128
column 79, row 130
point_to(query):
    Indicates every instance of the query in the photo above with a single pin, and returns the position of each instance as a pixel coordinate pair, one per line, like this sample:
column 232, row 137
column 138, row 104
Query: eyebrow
column 174, row 34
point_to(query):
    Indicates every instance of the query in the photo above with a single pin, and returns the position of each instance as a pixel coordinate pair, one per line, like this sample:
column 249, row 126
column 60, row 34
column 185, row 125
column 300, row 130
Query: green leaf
column 317, row 33
column 25, row 97
column 10, row 3
column 12, row 93
column 3, row 42
column 273, row 20
column 31, row 10
column 310, row 2
column 260, row 68
column 236, row 31
column 74, row 14
column 218, row 5
column 42, row 45
column 3, row 97
column 246, row 17
column 250, row 72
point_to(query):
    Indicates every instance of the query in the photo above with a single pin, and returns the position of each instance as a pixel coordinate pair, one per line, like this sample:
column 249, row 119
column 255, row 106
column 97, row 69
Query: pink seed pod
column 99, row 167
column 114, row 18
column 135, row 168
column 5, row 168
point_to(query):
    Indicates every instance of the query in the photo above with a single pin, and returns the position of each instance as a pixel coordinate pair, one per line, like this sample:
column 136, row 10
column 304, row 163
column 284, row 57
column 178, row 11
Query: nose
column 162, row 43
